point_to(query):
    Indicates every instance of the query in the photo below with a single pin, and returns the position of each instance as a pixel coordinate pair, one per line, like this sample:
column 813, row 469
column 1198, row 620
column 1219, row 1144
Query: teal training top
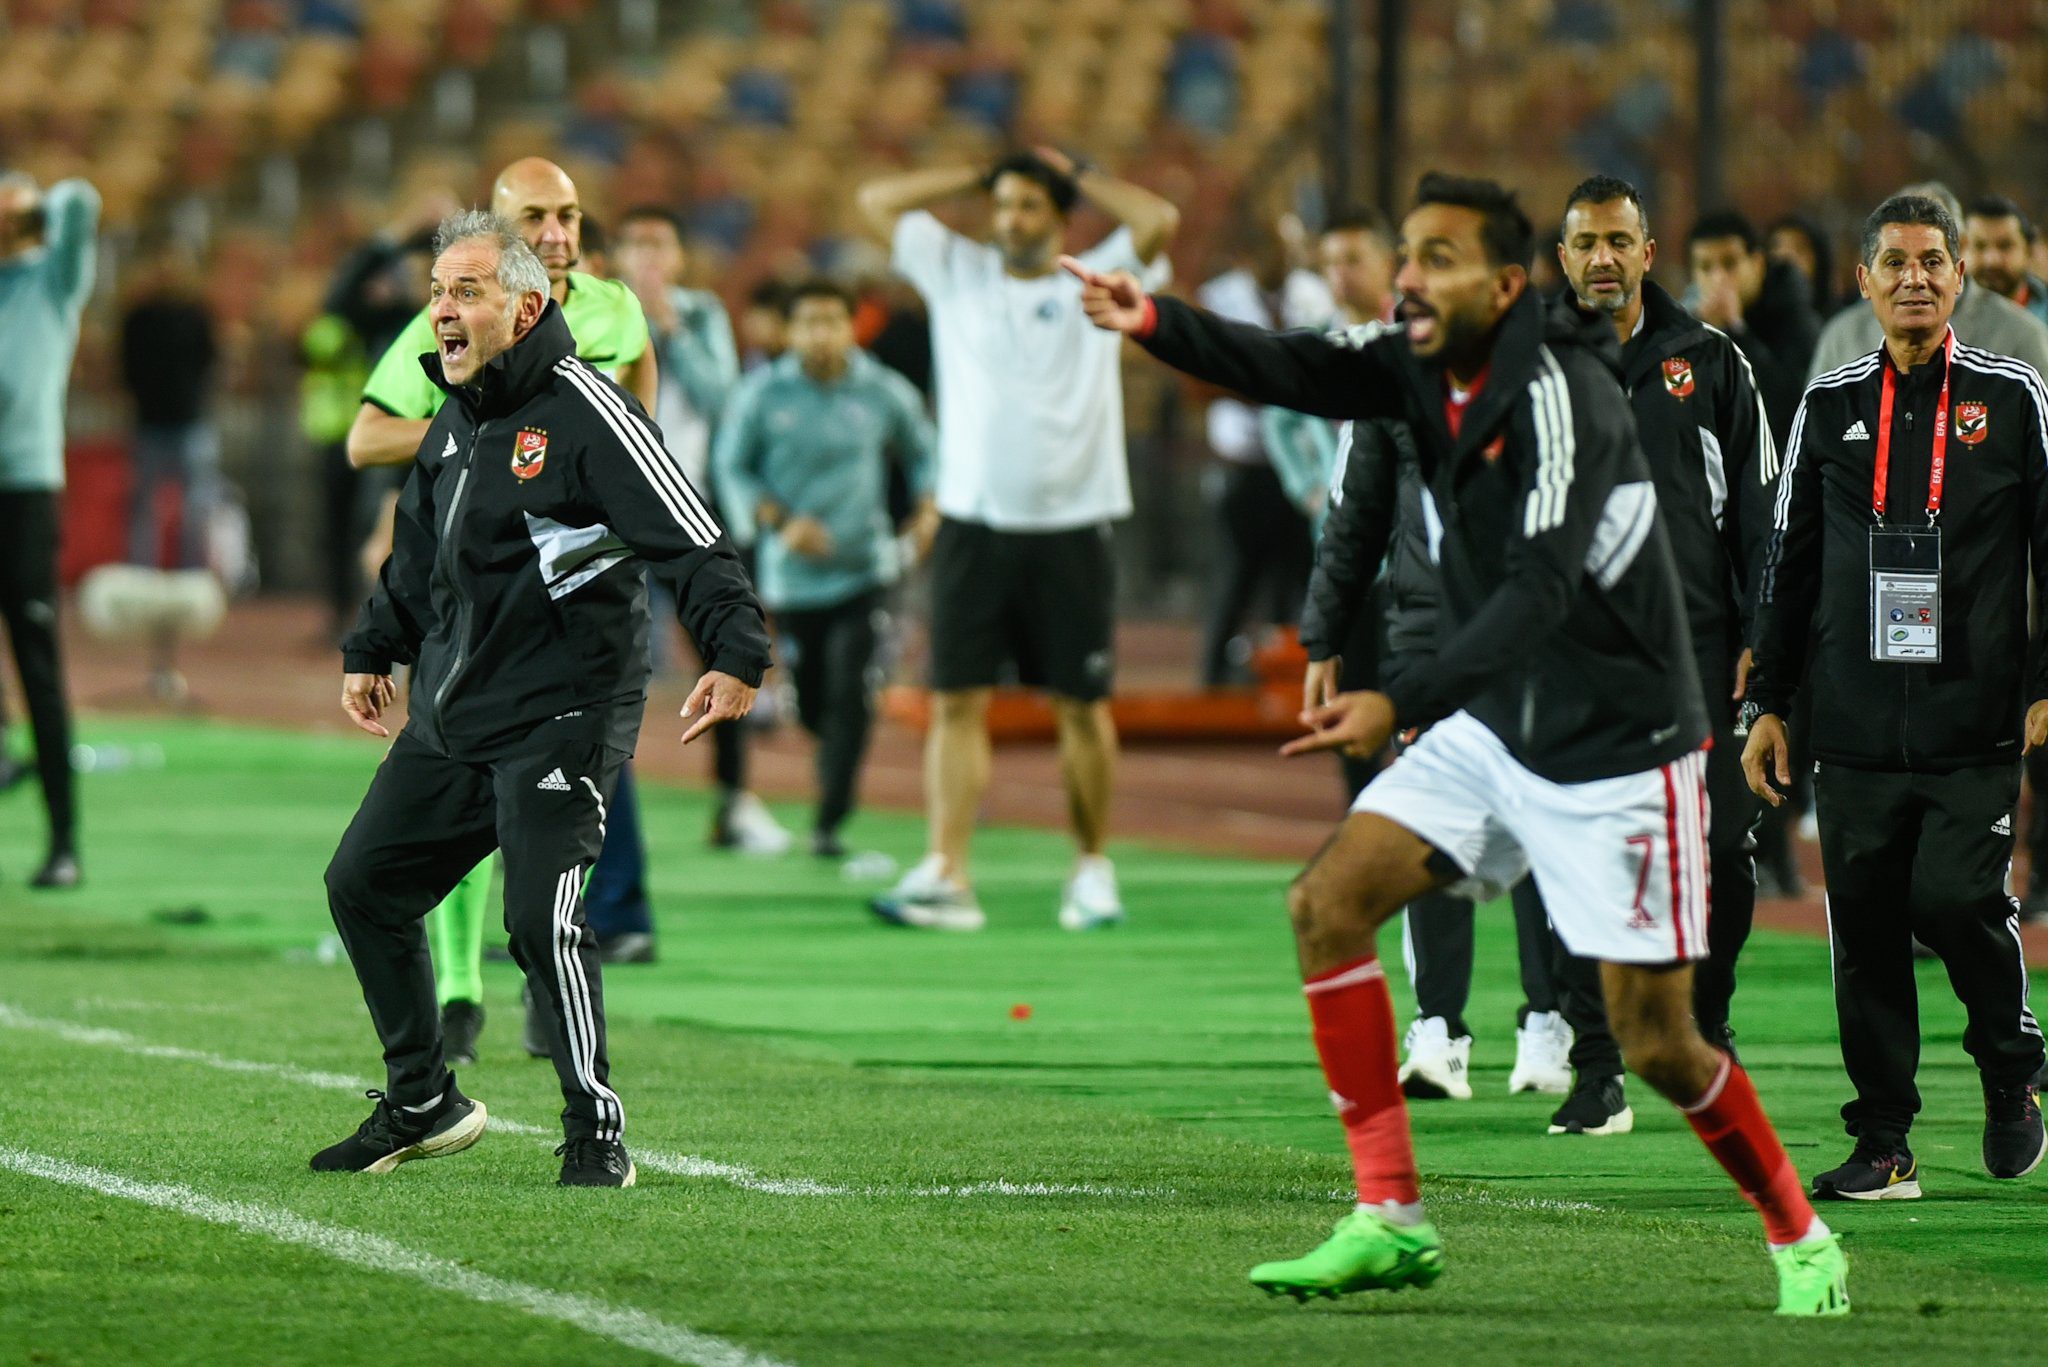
column 822, row 451
column 42, row 293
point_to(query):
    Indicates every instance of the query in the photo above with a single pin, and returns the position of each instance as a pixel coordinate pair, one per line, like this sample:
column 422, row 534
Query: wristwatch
column 1746, row 715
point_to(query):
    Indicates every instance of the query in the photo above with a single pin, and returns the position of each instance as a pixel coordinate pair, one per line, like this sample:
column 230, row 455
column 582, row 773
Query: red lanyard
column 1939, row 468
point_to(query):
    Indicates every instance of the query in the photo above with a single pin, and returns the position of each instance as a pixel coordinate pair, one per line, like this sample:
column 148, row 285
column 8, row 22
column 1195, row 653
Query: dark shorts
column 1041, row 602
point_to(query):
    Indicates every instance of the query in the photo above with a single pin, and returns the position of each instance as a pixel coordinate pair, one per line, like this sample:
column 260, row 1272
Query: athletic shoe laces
column 2005, row 1105
column 386, row 1127
column 589, row 1152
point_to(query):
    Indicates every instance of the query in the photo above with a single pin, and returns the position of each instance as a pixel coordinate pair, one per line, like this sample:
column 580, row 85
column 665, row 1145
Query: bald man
column 399, row 404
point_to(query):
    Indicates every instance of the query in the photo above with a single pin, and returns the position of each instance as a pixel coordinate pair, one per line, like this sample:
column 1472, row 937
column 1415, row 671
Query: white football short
column 1621, row 862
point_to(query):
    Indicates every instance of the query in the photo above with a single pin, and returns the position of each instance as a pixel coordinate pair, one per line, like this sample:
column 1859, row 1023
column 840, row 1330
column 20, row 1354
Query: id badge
column 1905, row 595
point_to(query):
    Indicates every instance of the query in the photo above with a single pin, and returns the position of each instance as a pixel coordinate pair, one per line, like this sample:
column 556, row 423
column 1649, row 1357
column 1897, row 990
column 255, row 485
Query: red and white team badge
column 1678, row 377
column 1973, row 422
column 529, row 452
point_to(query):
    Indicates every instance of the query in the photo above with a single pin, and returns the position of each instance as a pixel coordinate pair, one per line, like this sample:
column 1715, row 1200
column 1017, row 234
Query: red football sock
column 1731, row 1122
column 1354, row 1026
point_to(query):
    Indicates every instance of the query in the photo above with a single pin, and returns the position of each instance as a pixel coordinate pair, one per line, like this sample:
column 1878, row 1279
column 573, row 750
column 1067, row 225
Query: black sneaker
column 630, row 947
column 1597, row 1105
column 827, row 845
column 539, row 1031
column 2013, row 1139
column 60, row 870
column 596, row 1163
column 1881, row 1171
column 392, row 1136
column 461, row 1023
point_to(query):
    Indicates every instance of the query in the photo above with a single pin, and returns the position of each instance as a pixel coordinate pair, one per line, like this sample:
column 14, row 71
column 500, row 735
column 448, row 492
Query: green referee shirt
column 606, row 320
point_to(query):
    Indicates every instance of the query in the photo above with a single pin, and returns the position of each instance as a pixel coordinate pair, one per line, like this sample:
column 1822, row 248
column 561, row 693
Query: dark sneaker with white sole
column 1881, row 1171
column 461, row 1023
column 1597, row 1106
column 2013, row 1138
column 392, row 1136
column 596, row 1163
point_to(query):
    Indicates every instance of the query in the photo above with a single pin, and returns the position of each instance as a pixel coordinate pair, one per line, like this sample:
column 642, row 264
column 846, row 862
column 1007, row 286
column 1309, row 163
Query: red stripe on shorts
column 1671, row 846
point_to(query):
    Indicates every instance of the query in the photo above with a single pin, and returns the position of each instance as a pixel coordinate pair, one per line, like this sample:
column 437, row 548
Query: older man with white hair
column 48, row 245
column 512, row 591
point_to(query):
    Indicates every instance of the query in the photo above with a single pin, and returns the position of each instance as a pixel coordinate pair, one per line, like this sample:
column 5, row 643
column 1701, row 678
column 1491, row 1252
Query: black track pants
column 425, row 822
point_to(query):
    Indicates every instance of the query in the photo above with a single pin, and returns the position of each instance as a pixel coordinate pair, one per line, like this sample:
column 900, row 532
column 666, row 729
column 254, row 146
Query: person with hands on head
column 1568, row 728
column 514, row 591
column 1031, row 473
column 1913, row 501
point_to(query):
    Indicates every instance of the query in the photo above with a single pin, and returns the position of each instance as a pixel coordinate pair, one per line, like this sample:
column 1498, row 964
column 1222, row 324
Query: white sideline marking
column 620, row 1324
column 674, row 1164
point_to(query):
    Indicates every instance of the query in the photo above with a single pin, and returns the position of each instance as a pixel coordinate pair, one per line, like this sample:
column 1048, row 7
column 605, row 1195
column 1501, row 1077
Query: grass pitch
column 852, row 1149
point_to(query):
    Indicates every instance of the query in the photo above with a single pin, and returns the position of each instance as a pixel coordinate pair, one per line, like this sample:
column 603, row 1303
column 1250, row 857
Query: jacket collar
column 1667, row 329
column 1524, row 330
column 516, row 374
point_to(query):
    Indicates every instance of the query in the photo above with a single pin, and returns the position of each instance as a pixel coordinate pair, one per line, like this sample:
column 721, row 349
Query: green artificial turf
column 799, row 1080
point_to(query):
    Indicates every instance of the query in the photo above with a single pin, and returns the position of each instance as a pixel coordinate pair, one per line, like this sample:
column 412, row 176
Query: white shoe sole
column 1073, row 917
column 1901, row 1191
column 2038, row 1155
column 1620, row 1123
column 1554, row 1084
column 1420, row 1085
column 454, row 1140
column 924, row 916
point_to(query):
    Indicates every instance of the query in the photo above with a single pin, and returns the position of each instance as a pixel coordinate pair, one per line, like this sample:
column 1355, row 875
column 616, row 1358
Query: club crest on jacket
column 1678, row 376
column 529, row 452
column 1973, row 422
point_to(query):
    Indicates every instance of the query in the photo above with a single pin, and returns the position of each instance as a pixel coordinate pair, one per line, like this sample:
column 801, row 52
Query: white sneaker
column 753, row 829
column 926, row 899
column 1091, row 900
column 1543, row 1048
column 1437, row 1066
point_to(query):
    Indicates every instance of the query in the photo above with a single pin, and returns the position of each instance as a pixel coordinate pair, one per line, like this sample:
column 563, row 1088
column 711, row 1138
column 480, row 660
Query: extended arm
column 380, row 438
column 1152, row 220
column 884, row 201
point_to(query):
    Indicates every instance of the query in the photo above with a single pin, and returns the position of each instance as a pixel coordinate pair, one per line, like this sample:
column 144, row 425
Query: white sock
column 422, row 1110
column 1815, row 1233
column 1403, row 1213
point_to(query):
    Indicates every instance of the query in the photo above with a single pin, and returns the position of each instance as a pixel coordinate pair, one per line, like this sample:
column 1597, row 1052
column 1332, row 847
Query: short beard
column 1610, row 308
column 1030, row 259
column 1467, row 343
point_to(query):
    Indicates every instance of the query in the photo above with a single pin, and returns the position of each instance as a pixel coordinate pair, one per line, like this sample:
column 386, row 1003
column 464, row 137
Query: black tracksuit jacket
column 1562, row 627
column 1814, row 597
column 514, row 585
column 1707, row 437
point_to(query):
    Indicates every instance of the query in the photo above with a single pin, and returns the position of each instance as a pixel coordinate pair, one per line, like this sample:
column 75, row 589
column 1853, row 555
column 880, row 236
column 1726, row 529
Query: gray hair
column 519, row 270
column 1922, row 210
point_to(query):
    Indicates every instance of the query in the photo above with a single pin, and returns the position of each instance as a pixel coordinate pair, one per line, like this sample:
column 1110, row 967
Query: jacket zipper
column 446, row 548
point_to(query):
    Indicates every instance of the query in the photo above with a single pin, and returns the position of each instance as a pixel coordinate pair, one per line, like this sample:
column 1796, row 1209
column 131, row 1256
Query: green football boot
column 1364, row 1253
column 1813, row 1279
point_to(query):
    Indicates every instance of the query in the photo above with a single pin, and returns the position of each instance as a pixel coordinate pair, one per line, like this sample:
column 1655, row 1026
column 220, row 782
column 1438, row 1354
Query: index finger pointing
column 1072, row 265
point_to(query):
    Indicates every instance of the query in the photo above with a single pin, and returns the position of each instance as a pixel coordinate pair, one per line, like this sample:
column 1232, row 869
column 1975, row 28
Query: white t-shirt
column 1031, row 403
column 1305, row 302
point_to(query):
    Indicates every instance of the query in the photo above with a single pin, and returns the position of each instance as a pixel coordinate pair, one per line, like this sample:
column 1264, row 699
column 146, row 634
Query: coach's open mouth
column 453, row 348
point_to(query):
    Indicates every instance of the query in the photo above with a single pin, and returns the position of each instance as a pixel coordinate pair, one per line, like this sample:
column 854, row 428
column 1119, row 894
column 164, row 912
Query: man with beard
column 1566, row 731
column 400, row 402
column 1031, row 473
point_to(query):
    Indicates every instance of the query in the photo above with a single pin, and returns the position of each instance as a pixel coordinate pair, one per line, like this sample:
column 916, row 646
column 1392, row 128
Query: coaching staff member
column 511, row 590
column 1915, row 487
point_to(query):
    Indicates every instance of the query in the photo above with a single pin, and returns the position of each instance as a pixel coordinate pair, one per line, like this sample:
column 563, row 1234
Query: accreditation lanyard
column 1937, row 470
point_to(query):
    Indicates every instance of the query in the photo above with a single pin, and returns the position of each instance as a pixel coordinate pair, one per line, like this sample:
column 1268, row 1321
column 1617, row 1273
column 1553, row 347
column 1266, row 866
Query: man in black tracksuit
column 1376, row 520
column 1915, row 489
column 1563, row 704
column 512, row 591
column 1706, row 433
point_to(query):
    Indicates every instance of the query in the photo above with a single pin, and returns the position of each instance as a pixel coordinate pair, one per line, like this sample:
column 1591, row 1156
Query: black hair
column 1504, row 231
column 1032, row 167
column 1919, row 210
column 1998, row 206
column 1605, row 190
column 1716, row 224
column 817, row 287
column 1823, row 254
column 648, row 213
column 769, row 294
column 590, row 237
column 1360, row 219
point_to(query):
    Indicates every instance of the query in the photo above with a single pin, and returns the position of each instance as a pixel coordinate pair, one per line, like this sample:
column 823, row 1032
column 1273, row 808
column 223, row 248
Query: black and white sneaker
column 2013, row 1138
column 392, row 1136
column 461, row 1023
column 596, row 1163
column 1880, row 1171
column 1597, row 1105
column 627, row 947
